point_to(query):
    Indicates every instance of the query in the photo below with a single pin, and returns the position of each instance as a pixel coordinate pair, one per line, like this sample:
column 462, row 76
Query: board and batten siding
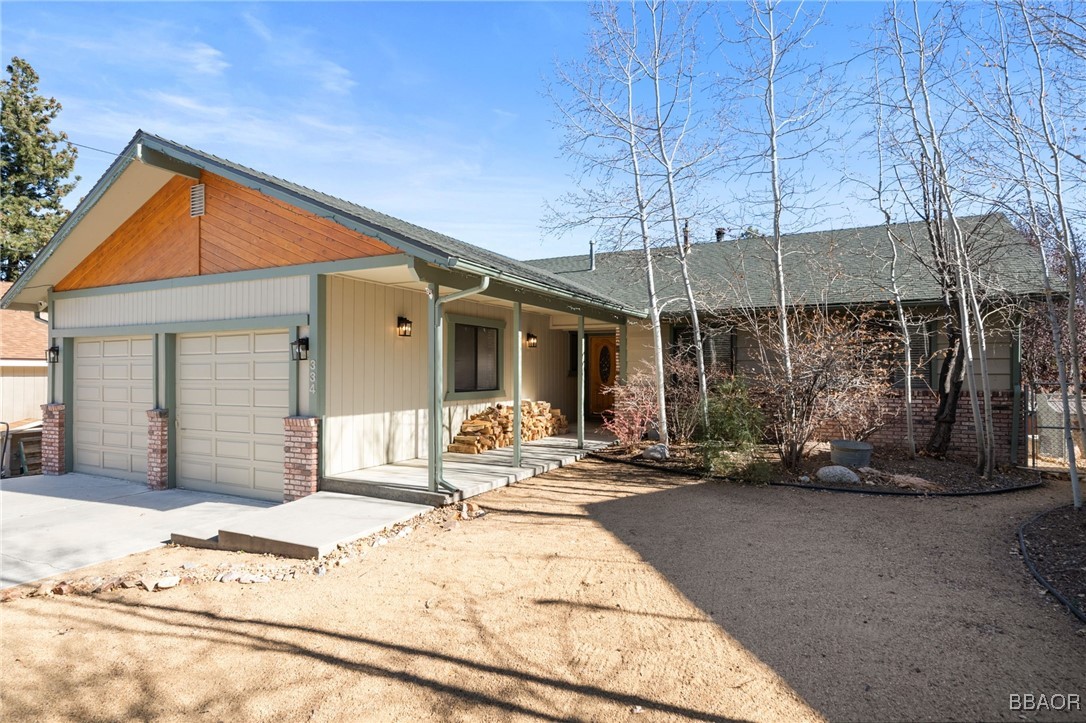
column 204, row 302
column 22, row 392
column 376, row 406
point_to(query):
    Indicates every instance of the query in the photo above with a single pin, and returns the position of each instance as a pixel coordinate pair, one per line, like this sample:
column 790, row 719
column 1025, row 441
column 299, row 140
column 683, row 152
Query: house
column 846, row 268
column 220, row 329
column 23, row 340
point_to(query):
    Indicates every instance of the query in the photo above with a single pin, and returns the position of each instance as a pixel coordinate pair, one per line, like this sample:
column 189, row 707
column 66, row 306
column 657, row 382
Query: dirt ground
column 596, row 592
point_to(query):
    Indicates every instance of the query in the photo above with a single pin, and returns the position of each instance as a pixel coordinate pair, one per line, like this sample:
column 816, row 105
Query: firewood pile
column 493, row 427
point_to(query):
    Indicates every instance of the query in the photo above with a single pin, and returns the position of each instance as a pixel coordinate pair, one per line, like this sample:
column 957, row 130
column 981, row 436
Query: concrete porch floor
column 471, row 474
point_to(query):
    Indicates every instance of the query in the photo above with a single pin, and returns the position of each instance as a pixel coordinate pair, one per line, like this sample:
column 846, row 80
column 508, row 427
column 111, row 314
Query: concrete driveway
column 50, row 525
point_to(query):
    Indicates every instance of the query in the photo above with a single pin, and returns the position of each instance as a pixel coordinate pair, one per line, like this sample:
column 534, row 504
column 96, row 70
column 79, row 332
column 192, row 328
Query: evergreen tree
column 35, row 164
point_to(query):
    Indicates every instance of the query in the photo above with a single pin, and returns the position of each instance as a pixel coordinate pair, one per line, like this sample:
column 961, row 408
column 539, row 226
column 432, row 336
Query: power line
column 92, row 148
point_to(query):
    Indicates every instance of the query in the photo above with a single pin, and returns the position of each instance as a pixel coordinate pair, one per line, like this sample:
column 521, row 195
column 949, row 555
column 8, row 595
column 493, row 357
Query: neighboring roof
column 844, row 266
column 414, row 240
column 22, row 336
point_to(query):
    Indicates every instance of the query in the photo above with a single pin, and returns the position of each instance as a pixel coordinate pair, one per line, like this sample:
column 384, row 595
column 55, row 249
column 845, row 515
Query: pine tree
column 35, row 165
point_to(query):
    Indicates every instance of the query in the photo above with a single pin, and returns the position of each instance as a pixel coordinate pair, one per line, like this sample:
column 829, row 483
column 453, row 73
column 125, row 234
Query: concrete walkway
column 307, row 528
column 51, row 525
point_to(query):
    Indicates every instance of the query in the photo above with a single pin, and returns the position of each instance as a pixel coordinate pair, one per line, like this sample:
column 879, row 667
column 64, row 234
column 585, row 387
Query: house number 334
column 312, row 376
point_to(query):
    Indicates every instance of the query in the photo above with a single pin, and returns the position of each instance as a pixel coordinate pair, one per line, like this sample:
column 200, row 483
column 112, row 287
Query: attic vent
column 196, row 200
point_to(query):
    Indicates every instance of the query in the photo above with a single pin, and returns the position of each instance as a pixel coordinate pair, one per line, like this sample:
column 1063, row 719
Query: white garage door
column 232, row 392
column 112, row 390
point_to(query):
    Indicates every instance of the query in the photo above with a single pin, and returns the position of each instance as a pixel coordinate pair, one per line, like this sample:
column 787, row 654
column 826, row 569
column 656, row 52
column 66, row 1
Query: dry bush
column 634, row 410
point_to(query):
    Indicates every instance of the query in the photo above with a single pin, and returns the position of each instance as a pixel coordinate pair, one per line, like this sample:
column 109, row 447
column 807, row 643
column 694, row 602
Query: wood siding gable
column 241, row 230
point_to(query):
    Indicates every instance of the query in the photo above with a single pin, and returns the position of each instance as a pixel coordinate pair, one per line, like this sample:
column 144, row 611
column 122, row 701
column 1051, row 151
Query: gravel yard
column 595, row 592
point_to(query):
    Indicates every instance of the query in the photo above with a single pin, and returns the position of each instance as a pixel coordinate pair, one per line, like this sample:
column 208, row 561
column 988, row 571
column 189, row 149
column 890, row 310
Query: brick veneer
column 52, row 439
column 962, row 438
column 158, row 425
column 301, row 450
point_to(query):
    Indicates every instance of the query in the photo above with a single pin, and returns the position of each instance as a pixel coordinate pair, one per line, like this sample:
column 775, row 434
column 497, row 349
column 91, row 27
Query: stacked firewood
column 493, row 427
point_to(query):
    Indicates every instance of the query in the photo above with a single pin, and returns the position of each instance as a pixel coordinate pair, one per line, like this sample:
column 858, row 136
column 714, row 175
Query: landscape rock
column 804, row 479
column 405, row 532
column 836, row 474
column 167, row 582
column 656, row 453
column 62, row 588
column 913, row 482
column 43, row 591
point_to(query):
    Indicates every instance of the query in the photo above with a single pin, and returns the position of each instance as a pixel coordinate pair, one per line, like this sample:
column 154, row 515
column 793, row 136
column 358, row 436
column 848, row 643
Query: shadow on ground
column 871, row 608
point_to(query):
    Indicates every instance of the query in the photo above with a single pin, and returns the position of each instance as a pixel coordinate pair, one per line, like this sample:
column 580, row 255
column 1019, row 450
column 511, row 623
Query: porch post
column 580, row 382
column 433, row 422
column 518, row 359
column 1016, row 387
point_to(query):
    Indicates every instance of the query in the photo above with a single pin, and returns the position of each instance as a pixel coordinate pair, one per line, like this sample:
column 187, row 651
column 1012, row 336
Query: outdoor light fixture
column 403, row 326
column 532, row 341
column 52, row 354
column 299, row 349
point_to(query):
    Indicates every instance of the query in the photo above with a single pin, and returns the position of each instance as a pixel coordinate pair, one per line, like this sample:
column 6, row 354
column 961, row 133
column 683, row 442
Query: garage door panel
column 269, row 453
column 231, row 437
column 233, row 344
column 268, row 426
column 234, row 397
column 270, row 398
column 111, row 397
column 233, row 371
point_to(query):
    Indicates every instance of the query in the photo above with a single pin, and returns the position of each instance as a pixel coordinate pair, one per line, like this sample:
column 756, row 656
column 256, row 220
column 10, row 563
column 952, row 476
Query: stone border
column 1036, row 573
column 885, row 491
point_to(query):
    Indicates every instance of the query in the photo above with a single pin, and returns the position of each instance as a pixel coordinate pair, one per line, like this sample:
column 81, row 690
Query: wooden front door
column 602, row 370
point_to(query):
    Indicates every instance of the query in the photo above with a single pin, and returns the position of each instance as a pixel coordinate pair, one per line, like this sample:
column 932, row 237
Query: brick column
column 158, row 472
column 52, row 439
column 301, row 443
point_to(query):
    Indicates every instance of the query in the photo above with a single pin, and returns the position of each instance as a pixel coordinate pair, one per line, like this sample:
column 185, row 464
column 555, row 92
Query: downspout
column 437, row 379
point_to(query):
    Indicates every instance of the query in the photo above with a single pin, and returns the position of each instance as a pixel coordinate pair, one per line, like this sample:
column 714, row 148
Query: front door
column 601, row 373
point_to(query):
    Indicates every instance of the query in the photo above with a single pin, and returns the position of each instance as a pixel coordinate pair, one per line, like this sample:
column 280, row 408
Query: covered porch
column 395, row 399
column 467, row 475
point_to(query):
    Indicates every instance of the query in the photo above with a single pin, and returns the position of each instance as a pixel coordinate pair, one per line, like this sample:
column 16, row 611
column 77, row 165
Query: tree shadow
column 869, row 608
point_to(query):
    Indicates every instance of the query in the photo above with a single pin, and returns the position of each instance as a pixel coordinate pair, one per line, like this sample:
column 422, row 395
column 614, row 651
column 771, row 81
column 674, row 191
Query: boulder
column 835, row 474
column 656, row 453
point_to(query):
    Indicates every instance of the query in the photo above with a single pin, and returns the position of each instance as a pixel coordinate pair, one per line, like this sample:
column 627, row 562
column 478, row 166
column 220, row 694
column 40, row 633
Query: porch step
column 395, row 493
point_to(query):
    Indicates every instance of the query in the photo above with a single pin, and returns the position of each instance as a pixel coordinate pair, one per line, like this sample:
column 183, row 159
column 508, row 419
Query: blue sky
column 433, row 112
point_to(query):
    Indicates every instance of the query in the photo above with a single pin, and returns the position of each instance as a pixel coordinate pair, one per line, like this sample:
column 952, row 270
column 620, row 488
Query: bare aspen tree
column 1013, row 114
column 956, row 270
column 670, row 67
column 895, row 289
column 605, row 133
column 790, row 129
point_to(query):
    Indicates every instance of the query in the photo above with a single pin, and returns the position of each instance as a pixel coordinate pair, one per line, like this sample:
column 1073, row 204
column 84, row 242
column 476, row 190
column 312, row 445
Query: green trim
column 183, row 327
column 1016, row 386
column 580, row 381
column 169, row 375
column 318, row 367
column 518, row 363
column 155, row 377
column 509, row 292
column 89, row 201
column 374, row 262
column 67, row 358
column 450, row 343
column 50, row 371
column 292, row 381
column 299, row 200
column 157, row 159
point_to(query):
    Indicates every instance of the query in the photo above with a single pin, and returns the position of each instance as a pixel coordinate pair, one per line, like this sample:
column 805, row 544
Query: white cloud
column 287, row 50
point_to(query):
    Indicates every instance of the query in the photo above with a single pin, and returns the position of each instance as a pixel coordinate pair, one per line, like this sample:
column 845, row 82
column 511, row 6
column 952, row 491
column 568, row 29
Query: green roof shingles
column 847, row 266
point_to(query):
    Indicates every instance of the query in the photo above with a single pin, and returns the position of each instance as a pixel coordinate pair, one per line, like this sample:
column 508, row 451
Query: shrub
column 634, row 410
column 735, row 427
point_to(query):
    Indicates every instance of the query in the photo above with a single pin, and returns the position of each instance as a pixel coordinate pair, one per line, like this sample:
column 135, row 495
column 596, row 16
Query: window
column 919, row 355
column 476, row 350
column 718, row 344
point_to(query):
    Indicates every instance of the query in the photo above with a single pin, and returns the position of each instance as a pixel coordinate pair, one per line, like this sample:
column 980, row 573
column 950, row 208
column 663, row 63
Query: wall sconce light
column 403, row 326
column 299, row 349
column 532, row 341
column 52, row 354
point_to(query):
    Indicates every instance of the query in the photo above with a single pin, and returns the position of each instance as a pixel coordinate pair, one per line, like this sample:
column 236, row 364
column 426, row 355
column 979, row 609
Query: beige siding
column 376, row 411
column 1000, row 340
column 208, row 302
column 22, row 392
column 639, row 339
